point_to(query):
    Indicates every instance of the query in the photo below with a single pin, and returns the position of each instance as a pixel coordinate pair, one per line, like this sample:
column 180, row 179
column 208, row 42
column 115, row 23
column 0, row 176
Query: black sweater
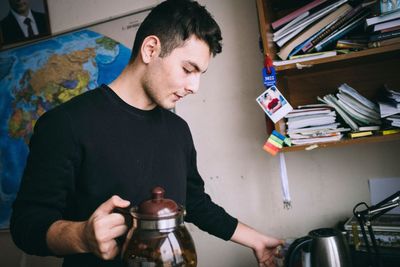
column 95, row 146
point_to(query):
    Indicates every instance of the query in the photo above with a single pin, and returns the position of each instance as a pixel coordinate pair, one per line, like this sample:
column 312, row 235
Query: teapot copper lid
column 158, row 206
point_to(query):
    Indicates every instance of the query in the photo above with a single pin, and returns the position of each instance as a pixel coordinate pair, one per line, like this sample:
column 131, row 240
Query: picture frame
column 274, row 104
column 23, row 21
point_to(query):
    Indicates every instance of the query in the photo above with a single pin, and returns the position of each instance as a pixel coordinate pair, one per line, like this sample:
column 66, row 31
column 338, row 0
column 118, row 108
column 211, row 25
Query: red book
column 296, row 13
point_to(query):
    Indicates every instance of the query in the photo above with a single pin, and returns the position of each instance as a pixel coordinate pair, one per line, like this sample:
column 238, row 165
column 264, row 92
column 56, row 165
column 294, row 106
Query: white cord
column 287, row 202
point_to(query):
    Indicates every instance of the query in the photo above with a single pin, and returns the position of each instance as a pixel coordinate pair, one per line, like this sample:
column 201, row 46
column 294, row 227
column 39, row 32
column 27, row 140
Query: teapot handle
column 294, row 248
column 126, row 213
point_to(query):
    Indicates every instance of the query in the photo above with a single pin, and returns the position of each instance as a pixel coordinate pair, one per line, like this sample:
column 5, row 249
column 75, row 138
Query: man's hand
column 265, row 248
column 96, row 235
column 103, row 227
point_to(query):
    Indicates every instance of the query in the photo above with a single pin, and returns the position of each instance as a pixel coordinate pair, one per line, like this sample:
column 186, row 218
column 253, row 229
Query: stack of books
column 312, row 125
column 389, row 107
column 385, row 28
column 316, row 27
column 359, row 113
column 345, row 113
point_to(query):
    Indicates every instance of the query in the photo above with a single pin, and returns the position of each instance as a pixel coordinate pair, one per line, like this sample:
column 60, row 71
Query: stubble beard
column 155, row 98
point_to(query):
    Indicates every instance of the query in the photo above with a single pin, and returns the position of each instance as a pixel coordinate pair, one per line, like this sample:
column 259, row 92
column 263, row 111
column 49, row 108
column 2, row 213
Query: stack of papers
column 394, row 120
column 389, row 107
column 356, row 110
column 312, row 125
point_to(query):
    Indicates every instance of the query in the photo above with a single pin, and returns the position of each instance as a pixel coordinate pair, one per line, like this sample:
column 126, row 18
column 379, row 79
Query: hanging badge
column 271, row 100
column 269, row 76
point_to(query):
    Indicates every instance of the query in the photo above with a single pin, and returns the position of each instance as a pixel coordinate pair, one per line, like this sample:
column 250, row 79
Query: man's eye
column 187, row 71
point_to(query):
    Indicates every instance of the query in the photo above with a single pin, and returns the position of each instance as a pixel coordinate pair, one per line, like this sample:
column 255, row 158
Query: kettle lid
column 324, row 232
column 158, row 206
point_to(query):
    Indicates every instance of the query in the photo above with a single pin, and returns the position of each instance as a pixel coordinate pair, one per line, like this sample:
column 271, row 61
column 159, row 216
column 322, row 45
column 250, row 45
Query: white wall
column 67, row 15
column 229, row 130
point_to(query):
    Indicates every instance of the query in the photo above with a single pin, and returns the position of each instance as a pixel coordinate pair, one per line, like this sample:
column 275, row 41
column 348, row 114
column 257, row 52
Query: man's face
column 176, row 75
column 20, row 6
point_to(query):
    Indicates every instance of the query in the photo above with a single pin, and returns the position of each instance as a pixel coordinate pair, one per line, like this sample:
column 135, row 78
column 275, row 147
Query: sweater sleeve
column 202, row 211
column 46, row 183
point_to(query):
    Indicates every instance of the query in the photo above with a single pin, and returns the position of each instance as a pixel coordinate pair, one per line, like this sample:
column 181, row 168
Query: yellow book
column 389, row 131
column 360, row 134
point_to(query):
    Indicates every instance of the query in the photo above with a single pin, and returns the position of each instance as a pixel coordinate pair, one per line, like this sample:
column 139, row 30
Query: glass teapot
column 158, row 237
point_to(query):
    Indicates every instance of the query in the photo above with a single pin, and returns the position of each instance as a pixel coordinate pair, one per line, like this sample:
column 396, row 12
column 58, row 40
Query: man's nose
column 193, row 84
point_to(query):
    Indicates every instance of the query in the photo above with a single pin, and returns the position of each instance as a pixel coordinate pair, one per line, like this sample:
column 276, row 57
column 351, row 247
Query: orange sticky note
column 270, row 148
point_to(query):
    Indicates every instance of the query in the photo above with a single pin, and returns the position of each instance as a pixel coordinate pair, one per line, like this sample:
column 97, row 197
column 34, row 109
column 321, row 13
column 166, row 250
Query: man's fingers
column 118, row 230
column 109, row 227
column 114, row 202
column 104, row 226
column 109, row 250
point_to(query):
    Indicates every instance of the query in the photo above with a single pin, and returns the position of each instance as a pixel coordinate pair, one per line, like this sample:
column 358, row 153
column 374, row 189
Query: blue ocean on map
column 38, row 77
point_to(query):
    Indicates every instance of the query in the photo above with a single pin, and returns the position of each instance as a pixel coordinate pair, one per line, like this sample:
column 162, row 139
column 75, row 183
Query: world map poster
column 37, row 77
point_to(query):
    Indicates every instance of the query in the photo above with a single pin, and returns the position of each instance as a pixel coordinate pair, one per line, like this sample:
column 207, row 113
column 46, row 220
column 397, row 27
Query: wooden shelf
column 365, row 70
column 343, row 142
column 350, row 56
column 265, row 15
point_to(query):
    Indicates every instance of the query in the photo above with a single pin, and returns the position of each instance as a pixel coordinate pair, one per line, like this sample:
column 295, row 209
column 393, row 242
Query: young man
column 109, row 147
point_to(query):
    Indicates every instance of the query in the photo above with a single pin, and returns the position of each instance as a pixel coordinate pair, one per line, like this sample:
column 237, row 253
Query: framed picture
column 274, row 104
column 22, row 21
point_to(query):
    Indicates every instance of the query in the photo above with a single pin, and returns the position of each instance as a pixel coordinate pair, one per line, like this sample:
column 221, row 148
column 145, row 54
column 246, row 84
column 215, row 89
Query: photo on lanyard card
column 274, row 104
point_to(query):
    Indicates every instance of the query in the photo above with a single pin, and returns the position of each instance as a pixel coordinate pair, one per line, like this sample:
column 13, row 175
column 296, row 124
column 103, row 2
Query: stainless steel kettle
column 328, row 248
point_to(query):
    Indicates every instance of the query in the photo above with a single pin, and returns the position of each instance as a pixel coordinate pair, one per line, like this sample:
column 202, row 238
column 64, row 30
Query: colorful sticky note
column 274, row 143
column 273, row 150
column 276, row 139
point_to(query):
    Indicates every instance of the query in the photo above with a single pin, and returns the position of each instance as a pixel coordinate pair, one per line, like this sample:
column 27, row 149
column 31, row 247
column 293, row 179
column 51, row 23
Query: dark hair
column 174, row 21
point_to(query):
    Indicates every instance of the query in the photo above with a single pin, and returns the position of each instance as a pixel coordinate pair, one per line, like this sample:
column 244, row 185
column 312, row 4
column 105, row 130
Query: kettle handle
column 294, row 248
column 126, row 213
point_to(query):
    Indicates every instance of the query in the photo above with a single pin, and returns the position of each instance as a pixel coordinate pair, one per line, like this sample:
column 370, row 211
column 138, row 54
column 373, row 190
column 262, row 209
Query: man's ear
column 151, row 48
